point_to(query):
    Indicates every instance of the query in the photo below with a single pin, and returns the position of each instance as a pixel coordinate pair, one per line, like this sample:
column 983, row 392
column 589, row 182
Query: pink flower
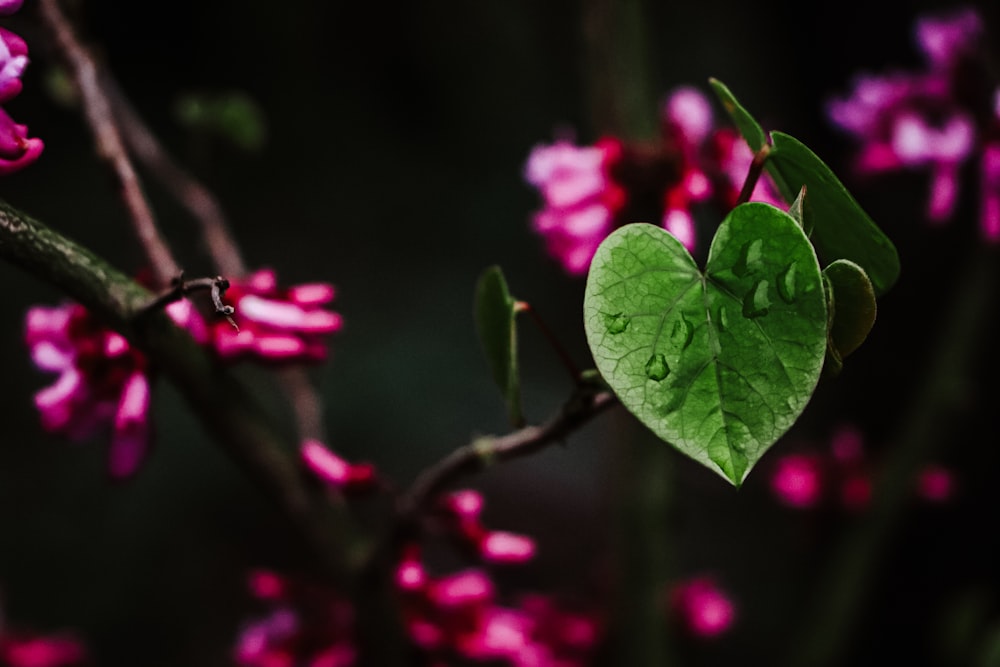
column 335, row 471
column 101, row 382
column 41, row 651
column 936, row 484
column 922, row 120
column 796, row 481
column 17, row 150
column 304, row 625
column 462, row 510
column 276, row 324
column 702, row 608
column 10, row 6
column 580, row 198
column 459, row 614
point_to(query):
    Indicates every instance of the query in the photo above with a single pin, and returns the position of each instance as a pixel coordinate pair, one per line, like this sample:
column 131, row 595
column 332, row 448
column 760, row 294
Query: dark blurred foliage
column 396, row 138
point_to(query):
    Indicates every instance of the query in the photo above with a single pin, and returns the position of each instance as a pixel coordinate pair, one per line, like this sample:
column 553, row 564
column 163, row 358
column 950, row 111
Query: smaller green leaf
column 495, row 311
column 801, row 211
column 233, row 116
column 841, row 228
column 745, row 123
column 854, row 306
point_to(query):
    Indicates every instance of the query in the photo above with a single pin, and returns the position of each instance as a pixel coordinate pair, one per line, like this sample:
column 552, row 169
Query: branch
column 484, row 451
column 185, row 188
column 108, row 141
column 224, row 406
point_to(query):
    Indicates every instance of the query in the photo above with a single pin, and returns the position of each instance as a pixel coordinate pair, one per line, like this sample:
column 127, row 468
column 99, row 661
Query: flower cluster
column 459, row 614
column 588, row 191
column 935, row 119
column 102, row 381
column 805, row 480
column 276, row 324
column 304, row 625
column 17, row 150
column 701, row 608
column 461, row 511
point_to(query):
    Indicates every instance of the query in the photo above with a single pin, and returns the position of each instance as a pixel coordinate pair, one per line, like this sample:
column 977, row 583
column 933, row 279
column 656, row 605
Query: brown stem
column 557, row 346
column 108, row 141
column 189, row 191
column 756, row 168
column 486, row 450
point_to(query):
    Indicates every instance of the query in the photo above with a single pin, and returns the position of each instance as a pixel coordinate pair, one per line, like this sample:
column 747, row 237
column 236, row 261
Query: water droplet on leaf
column 616, row 323
column 682, row 333
column 750, row 258
column 657, row 368
column 723, row 318
column 757, row 302
column 786, row 283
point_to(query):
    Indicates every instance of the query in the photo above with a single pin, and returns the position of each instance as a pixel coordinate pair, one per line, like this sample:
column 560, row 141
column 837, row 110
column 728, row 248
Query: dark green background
column 397, row 136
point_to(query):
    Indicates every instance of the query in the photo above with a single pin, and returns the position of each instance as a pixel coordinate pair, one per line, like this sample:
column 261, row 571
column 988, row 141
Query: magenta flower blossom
column 103, row 382
column 462, row 514
column 276, row 324
column 303, row 625
column 843, row 475
column 17, row 150
column 335, row 471
column 581, row 199
column 702, row 608
column 797, row 480
column 589, row 191
column 41, row 651
column 927, row 120
column 458, row 614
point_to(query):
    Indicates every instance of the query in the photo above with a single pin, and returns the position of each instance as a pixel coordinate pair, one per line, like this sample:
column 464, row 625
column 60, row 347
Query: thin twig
column 189, row 191
column 108, row 141
column 557, row 346
column 486, row 450
column 753, row 175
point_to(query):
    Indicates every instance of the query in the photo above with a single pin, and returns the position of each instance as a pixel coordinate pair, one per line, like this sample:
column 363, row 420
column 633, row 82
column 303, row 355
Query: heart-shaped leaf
column 721, row 363
column 495, row 311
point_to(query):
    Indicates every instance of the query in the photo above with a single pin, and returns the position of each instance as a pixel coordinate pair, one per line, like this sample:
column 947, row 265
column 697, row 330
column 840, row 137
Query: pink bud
column 502, row 547
column 130, row 437
column 325, row 464
column 465, row 503
column 703, row 608
column 796, row 481
column 461, row 589
column 936, row 484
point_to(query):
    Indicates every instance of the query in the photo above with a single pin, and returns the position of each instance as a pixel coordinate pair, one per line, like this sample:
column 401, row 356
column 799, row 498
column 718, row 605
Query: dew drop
column 682, row 333
column 657, row 368
column 616, row 323
column 750, row 257
column 786, row 283
column 723, row 318
column 756, row 302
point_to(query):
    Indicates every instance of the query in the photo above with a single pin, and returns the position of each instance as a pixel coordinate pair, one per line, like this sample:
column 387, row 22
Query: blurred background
column 396, row 135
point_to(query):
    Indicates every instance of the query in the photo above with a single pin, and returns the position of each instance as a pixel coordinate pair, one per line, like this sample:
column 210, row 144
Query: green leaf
column 747, row 124
column 721, row 363
column 801, row 211
column 233, row 116
column 841, row 228
column 854, row 306
column 495, row 311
